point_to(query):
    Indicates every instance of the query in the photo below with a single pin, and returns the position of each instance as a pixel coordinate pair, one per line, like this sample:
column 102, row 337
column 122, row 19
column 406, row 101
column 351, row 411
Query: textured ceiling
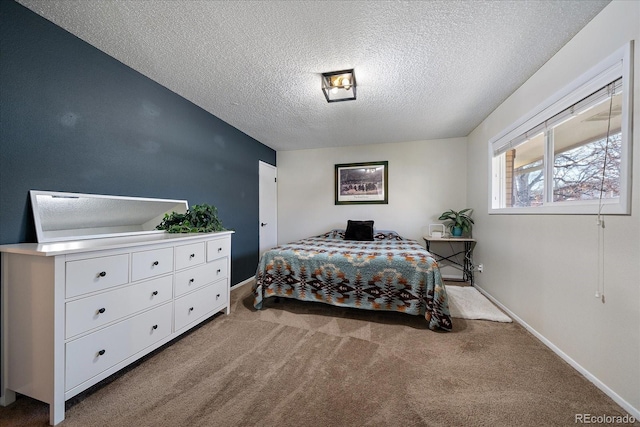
column 425, row 69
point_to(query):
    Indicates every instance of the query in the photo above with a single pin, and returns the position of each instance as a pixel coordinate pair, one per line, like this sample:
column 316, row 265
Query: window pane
column 581, row 153
column 528, row 173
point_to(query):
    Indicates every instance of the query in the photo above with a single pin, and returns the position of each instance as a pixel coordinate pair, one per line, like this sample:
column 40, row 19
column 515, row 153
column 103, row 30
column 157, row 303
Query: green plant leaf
column 460, row 219
column 198, row 219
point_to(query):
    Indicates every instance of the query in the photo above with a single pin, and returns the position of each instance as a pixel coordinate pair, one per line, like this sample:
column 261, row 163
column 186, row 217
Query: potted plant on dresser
column 459, row 223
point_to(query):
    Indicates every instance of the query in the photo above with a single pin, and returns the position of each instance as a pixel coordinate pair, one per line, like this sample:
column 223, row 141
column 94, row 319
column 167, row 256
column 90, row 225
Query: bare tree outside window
column 529, row 185
column 577, row 173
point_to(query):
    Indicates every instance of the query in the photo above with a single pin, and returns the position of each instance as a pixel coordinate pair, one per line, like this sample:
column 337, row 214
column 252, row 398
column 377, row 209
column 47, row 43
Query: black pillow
column 359, row 230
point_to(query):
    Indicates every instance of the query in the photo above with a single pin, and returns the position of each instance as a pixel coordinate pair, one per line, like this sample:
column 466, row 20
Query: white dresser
column 75, row 312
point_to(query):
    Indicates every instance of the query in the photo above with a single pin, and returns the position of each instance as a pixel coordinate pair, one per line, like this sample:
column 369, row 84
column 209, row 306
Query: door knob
column 262, row 224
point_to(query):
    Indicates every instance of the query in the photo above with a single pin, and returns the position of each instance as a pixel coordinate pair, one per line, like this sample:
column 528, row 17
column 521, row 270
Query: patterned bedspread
column 389, row 273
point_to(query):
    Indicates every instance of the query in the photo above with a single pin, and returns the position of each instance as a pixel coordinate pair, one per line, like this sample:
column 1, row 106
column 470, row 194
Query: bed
column 386, row 272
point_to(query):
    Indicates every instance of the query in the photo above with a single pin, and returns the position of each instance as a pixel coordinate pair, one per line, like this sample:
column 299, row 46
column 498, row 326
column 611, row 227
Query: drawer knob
column 154, row 293
column 101, row 310
column 217, row 296
column 102, row 274
column 154, row 327
column 218, row 272
column 219, row 249
column 190, row 309
column 192, row 256
column 192, row 280
column 101, row 352
column 155, row 263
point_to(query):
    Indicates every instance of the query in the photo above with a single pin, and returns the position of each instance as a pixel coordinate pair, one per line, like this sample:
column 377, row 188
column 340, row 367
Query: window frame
column 617, row 65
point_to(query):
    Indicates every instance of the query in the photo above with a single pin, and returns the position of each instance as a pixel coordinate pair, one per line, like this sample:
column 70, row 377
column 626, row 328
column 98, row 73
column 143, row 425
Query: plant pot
column 457, row 231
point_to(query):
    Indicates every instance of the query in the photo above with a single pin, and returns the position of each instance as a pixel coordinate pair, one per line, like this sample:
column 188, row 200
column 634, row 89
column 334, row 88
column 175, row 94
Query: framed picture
column 362, row 183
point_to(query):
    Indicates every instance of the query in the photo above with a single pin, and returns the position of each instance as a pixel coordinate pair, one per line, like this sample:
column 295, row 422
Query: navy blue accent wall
column 74, row 119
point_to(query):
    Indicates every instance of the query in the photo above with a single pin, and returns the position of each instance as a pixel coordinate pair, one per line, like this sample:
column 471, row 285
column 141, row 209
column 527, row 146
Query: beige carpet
column 308, row 364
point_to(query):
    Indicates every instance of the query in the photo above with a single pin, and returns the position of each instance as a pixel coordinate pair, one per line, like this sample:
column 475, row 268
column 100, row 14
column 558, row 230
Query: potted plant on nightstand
column 459, row 223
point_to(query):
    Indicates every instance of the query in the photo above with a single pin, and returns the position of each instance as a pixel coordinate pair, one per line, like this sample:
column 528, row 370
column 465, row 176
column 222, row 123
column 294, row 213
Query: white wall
column 425, row 179
column 543, row 268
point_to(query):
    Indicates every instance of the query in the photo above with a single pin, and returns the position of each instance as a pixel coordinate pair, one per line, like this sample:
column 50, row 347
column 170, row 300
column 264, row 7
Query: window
column 573, row 154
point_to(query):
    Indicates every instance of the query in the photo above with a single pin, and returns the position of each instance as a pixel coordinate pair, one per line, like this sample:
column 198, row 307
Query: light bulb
column 334, row 90
column 346, row 83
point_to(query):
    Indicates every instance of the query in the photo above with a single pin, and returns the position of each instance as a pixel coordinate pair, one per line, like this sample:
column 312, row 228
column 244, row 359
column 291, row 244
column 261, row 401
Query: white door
column 268, row 189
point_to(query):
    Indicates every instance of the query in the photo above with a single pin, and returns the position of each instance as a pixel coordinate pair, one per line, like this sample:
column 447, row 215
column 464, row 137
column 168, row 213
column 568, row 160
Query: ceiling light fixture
column 339, row 85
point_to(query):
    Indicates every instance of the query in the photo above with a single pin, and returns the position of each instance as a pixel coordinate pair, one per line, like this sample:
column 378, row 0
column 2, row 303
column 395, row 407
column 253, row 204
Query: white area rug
column 467, row 302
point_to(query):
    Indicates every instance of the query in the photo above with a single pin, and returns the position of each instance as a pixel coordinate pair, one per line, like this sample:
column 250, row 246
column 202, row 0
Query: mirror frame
column 127, row 216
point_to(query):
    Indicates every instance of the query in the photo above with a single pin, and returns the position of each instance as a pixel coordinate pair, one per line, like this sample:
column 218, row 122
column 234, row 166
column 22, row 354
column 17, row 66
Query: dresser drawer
column 218, row 248
column 86, row 357
column 195, row 305
column 194, row 278
column 189, row 255
column 95, row 274
column 221, row 293
column 219, row 269
column 151, row 263
column 91, row 312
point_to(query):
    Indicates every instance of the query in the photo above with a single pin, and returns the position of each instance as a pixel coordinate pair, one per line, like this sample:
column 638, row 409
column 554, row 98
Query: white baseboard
column 244, row 282
column 634, row 412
